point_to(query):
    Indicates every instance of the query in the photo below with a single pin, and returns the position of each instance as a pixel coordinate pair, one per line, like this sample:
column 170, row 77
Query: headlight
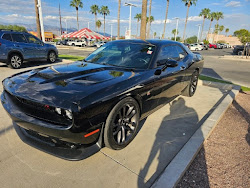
column 58, row 110
column 68, row 114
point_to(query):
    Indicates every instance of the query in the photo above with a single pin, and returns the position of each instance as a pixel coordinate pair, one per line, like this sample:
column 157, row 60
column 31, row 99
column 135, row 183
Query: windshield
column 123, row 54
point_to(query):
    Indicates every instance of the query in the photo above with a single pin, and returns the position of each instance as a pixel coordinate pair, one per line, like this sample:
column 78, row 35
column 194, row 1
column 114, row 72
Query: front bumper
column 60, row 142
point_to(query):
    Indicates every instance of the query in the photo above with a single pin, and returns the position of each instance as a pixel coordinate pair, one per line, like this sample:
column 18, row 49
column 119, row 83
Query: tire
column 240, row 52
column 73, row 44
column 15, row 61
column 196, row 49
column 51, row 57
column 189, row 91
column 122, row 124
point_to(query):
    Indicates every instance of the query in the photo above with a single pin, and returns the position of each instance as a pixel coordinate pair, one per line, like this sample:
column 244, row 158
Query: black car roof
column 157, row 42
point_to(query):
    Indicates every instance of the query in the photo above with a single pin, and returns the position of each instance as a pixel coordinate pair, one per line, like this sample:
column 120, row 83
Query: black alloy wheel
column 15, row 61
column 122, row 124
column 189, row 91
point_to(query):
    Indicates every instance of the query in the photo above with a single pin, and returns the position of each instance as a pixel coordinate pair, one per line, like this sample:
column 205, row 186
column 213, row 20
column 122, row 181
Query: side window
column 182, row 53
column 19, row 38
column 32, row 39
column 168, row 52
column 7, row 37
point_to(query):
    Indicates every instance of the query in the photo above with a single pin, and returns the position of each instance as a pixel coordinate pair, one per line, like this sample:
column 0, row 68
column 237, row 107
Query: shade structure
column 85, row 33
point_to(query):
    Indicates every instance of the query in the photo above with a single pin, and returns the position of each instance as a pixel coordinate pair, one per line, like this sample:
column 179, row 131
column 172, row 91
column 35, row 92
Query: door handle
column 183, row 67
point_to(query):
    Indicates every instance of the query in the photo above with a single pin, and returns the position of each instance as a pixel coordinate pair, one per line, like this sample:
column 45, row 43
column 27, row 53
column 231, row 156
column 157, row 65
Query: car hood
column 63, row 85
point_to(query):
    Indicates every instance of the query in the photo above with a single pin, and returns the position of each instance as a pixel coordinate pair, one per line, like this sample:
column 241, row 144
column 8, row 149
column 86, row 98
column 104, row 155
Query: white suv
column 196, row 47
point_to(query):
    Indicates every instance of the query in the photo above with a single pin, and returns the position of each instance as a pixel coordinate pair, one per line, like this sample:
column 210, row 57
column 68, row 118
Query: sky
column 236, row 14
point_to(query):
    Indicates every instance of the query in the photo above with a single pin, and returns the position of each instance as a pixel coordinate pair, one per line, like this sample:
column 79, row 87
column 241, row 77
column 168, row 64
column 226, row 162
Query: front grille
column 39, row 111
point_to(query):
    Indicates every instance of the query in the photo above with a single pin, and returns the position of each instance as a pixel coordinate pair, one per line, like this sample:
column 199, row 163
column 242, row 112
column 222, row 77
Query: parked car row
column 219, row 45
column 17, row 47
column 239, row 49
column 197, row 46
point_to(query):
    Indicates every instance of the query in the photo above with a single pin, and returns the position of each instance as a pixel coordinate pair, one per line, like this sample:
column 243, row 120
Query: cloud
column 233, row 4
column 195, row 18
column 216, row 4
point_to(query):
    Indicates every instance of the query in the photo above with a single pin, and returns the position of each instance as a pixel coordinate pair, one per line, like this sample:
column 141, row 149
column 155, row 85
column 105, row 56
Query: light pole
column 88, row 24
column 130, row 17
column 66, row 25
column 199, row 25
column 39, row 5
column 176, row 29
column 111, row 36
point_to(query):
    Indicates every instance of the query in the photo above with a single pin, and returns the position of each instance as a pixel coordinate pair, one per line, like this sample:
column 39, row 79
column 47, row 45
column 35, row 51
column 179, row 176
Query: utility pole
column 38, row 28
column 88, row 25
column 41, row 19
column 60, row 19
column 176, row 30
column 199, row 25
column 130, row 17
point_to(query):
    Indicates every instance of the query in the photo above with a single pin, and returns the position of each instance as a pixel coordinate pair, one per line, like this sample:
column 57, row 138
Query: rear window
column 7, row 37
column 19, row 38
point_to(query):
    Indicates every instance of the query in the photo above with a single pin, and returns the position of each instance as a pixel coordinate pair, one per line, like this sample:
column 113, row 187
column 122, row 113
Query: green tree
column 118, row 19
column 155, row 34
column 226, row 30
column 98, row 24
column 191, row 40
column 104, row 11
column 188, row 3
column 77, row 4
column 218, row 16
column 204, row 13
column 177, row 38
column 138, row 18
column 211, row 17
column 143, row 19
column 165, row 21
column 94, row 9
column 174, row 32
column 14, row 28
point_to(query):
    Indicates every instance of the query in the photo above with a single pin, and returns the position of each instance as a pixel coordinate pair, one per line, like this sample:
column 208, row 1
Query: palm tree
column 155, row 34
column 118, row 19
column 211, row 17
column 216, row 30
column 38, row 28
column 149, row 21
column 174, row 31
column 227, row 30
column 143, row 19
column 104, row 11
column 205, row 13
column 188, row 3
column 218, row 16
column 98, row 24
column 149, row 17
column 94, row 9
column 138, row 17
column 165, row 21
column 76, row 4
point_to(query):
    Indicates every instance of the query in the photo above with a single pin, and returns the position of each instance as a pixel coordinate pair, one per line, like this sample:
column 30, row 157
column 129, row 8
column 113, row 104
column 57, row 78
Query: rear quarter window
column 7, row 37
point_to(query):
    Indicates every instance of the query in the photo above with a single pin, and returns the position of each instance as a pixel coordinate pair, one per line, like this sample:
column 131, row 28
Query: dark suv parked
column 16, row 47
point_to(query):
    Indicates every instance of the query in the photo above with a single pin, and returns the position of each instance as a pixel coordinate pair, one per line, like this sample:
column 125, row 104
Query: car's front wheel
column 122, row 124
column 15, row 61
column 51, row 57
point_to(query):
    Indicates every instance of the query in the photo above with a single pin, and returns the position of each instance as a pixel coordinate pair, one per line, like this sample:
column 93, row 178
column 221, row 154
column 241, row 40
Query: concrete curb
column 178, row 166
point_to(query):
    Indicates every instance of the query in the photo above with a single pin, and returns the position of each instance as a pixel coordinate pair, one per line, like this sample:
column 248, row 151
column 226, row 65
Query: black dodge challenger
column 73, row 110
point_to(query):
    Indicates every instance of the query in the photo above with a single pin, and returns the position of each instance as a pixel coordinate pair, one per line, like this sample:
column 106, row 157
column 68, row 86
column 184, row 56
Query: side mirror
column 171, row 63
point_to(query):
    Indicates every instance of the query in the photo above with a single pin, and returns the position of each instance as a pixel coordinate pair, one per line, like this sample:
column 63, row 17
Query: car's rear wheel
column 122, row 124
column 51, row 57
column 15, row 61
column 192, row 86
column 240, row 52
column 73, row 44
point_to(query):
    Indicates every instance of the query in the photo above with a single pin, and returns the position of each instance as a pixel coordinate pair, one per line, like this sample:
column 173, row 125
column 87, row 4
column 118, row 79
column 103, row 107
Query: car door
column 37, row 45
column 21, row 44
column 172, row 77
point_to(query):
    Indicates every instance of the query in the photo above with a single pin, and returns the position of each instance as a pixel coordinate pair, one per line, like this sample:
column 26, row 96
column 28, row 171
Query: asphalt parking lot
column 161, row 137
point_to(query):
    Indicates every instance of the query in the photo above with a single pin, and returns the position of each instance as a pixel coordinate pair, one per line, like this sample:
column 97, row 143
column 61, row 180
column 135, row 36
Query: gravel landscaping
column 223, row 161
